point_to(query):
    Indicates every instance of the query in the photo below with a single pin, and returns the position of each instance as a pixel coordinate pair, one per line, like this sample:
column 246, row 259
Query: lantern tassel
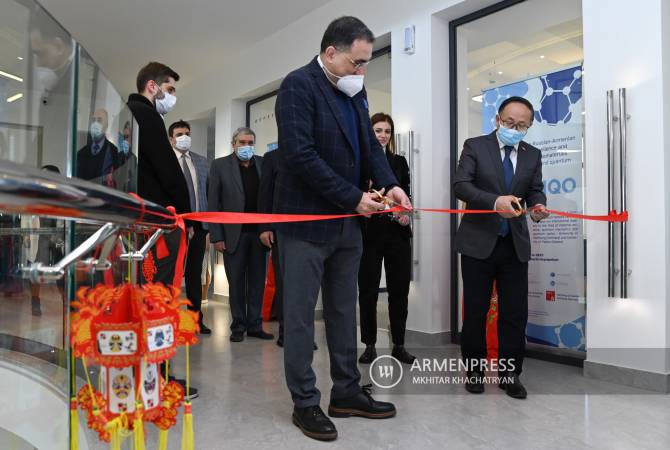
column 74, row 424
column 138, row 428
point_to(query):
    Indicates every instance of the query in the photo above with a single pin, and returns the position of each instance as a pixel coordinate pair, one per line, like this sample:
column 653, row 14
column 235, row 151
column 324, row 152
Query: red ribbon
column 256, row 218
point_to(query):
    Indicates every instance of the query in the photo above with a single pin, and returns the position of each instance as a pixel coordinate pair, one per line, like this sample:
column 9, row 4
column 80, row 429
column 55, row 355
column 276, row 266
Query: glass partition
column 58, row 112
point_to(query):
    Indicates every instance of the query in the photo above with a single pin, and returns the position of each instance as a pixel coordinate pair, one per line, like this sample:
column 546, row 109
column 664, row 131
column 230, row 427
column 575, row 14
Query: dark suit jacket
column 480, row 181
column 90, row 167
column 266, row 189
column 226, row 193
column 317, row 170
column 159, row 176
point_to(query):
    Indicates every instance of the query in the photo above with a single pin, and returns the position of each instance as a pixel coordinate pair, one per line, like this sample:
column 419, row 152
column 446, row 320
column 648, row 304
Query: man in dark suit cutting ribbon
column 498, row 171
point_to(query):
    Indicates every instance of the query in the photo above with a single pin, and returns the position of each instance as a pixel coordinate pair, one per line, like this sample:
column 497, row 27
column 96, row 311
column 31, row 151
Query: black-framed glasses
column 516, row 126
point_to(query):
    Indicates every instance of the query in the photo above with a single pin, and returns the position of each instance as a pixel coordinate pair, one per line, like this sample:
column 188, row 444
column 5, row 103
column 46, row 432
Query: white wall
column 626, row 46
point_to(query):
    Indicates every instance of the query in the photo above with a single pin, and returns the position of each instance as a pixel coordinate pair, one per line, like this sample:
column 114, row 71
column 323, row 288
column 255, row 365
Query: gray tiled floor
column 244, row 404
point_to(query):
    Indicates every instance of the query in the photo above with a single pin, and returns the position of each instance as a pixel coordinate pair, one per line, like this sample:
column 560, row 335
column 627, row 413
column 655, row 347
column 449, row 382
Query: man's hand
column 368, row 204
column 400, row 198
column 267, row 238
column 403, row 220
column 505, row 206
column 220, row 246
column 539, row 212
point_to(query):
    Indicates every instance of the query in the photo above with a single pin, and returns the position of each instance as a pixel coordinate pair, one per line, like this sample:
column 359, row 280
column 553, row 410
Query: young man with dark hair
column 196, row 170
column 327, row 152
column 160, row 177
column 502, row 172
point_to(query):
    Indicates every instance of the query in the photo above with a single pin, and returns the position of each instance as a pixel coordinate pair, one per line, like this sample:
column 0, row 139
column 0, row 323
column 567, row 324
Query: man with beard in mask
column 160, row 177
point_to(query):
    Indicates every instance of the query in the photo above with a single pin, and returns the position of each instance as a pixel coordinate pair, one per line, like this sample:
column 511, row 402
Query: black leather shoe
column 237, row 336
column 314, row 423
column 512, row 386
column 280, row 341
column 402, row 355
column 361, row 405
column 368, row 355
column 204, row 329
column 260, row 334
column 315, row 347
column 474, row 382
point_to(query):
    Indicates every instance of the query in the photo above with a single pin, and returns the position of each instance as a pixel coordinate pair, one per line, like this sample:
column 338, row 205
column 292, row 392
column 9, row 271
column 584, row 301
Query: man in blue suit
column 327, row 152
column 196, row 171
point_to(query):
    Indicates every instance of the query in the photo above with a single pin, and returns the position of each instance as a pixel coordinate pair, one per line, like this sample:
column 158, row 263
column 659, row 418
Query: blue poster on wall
column 556, row 277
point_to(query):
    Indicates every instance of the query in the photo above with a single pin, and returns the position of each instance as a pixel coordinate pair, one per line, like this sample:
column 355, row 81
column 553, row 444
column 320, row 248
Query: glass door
column 533, row 49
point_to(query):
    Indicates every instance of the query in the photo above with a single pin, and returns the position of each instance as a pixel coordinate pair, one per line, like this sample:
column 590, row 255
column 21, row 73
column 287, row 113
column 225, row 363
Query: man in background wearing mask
column 99, row 158
column 160, row 178
column 233, row 186
column 196, row 170
column 327, row 151
column 498, row 171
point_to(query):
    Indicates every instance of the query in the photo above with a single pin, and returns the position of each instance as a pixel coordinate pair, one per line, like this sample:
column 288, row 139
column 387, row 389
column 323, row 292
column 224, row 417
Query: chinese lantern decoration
column 129, row 331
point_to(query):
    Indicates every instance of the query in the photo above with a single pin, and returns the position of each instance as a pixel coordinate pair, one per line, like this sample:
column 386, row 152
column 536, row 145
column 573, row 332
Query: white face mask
column 165, row 104
column 183, row 143
column 349, row 84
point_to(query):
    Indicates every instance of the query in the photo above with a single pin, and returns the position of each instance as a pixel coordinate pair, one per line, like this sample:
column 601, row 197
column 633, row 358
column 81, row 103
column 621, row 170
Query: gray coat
column 226, row 193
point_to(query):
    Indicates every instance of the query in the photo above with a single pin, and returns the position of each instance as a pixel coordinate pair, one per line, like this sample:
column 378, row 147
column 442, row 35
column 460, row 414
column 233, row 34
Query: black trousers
column 193, row 270
column 278, row 303
column 245, row 269
column 511, row 277
column 384, row 240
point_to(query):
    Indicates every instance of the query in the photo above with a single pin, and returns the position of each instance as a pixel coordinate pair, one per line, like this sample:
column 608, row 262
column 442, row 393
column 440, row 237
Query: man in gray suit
column 196, row 181
column 233, row 186
column 498, row 171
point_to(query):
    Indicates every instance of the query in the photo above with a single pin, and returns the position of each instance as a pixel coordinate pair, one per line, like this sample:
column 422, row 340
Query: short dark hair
column 179, row 124
column 156, row 71
column 342, row 32
column 521, row 100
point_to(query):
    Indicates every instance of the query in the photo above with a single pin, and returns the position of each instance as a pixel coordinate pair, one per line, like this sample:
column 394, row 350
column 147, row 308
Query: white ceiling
column 191, row 36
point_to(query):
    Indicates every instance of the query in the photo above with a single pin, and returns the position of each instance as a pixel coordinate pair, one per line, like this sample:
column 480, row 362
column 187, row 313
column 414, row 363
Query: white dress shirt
column 189, row 163
column 513, row 154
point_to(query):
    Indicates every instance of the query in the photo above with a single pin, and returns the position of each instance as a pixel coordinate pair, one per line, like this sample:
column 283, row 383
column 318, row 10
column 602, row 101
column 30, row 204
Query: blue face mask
column 509, row 136
column 245, row 153
column 124, row 146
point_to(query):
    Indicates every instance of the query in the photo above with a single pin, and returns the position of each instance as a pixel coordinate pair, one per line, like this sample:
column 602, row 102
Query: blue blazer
column 316, row 156
column 202, row 173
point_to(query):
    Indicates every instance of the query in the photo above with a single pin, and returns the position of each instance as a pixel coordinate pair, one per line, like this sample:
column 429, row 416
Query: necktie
column 189, row 182
column 508, row 172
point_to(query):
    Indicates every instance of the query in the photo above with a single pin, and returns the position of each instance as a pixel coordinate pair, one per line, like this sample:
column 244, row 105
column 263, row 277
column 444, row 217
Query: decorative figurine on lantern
column 129, row 331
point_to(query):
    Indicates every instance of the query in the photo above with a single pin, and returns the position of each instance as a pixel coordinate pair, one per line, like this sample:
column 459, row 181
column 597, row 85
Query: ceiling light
column 11, row 77
column 541, row 56
column 478, row 98
column 14, row 98
column 20, row 58
column 500, row 73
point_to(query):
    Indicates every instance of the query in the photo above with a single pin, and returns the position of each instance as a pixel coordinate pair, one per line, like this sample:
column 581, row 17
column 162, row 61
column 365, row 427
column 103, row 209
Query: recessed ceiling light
column 11, row 77
column 500, row 73
column 20, row 58
column 541, row 56
column 14, row 98
column 468, row 89
column 478, row 98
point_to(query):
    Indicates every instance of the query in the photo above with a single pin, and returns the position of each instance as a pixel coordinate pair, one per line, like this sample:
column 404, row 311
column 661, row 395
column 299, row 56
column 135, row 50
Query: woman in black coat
column 386, row 238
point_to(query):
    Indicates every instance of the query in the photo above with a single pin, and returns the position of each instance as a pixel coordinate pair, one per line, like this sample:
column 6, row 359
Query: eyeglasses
column 358, row 65
column 516, row 126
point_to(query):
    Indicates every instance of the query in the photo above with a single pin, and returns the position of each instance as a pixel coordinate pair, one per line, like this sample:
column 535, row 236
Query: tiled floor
column 244, row 403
